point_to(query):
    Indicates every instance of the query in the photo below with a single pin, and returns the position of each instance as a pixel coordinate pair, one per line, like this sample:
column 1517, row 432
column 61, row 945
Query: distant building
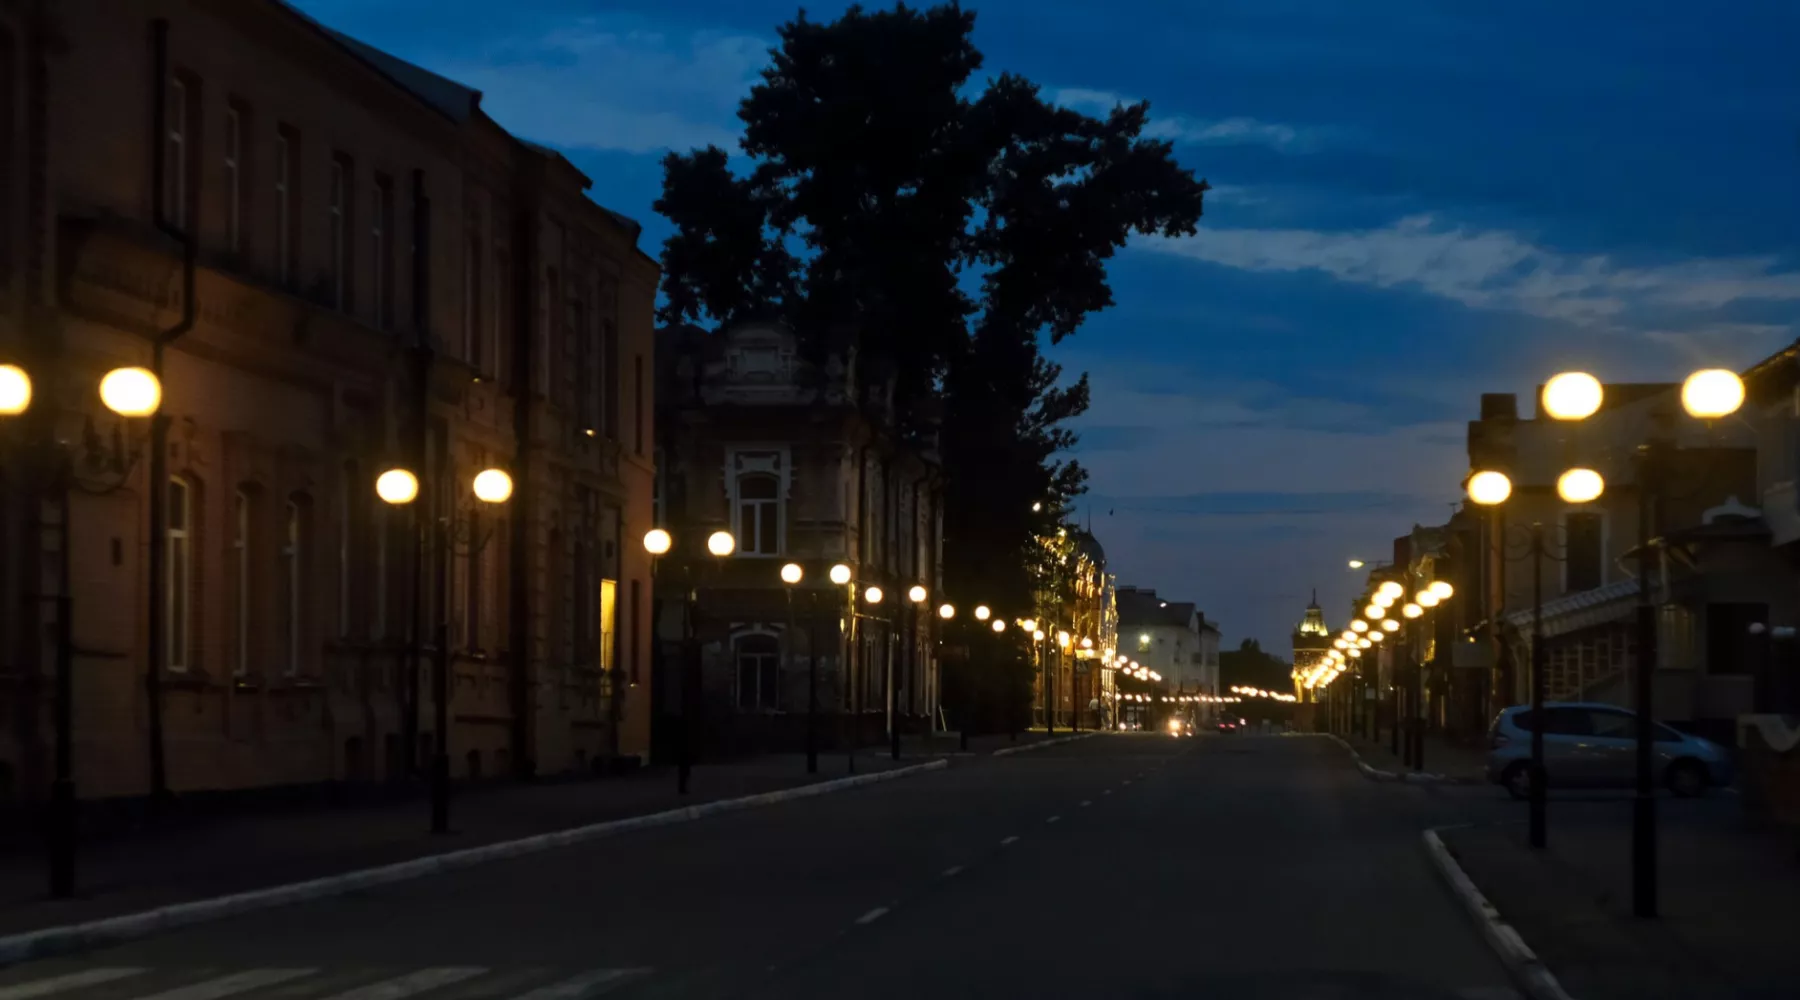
column 1172, row 638
column 1312, row 641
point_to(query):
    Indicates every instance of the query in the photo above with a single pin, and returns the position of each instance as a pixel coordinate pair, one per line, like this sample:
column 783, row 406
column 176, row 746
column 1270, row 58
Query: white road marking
column 1105, row 791
column 1127, row 781
column 57, row 984
column 1009, row 840
column 1086, row 802
column 237, row 982
column 1053, row 819
column 873, row 915
column 590, row 983
column 952, row 870
column 411, row 983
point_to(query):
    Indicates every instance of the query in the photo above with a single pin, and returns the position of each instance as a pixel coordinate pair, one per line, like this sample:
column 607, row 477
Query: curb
column 1523, row 964
column 1003, row 751
column 1410, row 777
column 50, row 941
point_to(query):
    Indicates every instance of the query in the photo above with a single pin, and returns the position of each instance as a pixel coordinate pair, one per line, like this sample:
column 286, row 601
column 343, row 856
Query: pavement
column 181, row 862
column 1443, row 759
column 1126, row 865
column 1727, row 895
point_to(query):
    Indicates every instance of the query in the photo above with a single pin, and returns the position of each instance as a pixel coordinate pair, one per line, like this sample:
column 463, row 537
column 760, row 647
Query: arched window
column 758, row 673
column 759, row 514
column 178, row 598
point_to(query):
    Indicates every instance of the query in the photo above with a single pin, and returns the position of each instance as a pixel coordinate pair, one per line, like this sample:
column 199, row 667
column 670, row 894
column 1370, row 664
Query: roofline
column 331, row 37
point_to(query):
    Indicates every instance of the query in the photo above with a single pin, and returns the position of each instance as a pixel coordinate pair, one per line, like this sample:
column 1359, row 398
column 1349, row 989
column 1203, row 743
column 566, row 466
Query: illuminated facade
column 1312, row 642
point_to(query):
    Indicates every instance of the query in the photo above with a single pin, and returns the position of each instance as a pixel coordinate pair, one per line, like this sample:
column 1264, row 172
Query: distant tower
column 1312, row 641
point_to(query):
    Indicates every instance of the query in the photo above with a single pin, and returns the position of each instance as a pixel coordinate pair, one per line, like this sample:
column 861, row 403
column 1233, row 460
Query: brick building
column 756, row 440
column 380, row 276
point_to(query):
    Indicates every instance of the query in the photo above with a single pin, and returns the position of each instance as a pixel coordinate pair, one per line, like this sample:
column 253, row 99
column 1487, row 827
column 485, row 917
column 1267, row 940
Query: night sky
column 1414, row 203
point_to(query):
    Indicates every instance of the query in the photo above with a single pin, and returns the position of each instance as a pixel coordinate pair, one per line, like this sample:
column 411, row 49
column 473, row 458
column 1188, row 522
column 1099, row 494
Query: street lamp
column 946, row 611
column 791, row 575
column 1580, row 486
column 983, row 613
column 124, row 391
column 491, row 487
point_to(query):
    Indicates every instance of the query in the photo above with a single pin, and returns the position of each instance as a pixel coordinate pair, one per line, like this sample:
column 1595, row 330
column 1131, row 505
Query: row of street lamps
column 1570, row 397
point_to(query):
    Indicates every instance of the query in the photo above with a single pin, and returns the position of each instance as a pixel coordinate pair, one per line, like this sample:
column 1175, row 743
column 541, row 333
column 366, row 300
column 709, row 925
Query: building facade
column 802, row 467
column 1172, row 638
column 351, row 269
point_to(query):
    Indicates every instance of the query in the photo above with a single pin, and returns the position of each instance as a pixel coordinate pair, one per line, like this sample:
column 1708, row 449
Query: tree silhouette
column 946, row 233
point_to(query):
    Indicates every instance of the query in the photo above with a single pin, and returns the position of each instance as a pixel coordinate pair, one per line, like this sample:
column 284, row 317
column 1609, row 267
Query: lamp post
column 658, row 543
column 103, row 468
column 791, row 575
column 452, row 528
column 872, row 596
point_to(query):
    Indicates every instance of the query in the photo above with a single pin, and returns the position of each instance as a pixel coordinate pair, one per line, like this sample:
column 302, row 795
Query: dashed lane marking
column 1053, row 819
column 1008, row 841
column 952, row 871
column 872, row 916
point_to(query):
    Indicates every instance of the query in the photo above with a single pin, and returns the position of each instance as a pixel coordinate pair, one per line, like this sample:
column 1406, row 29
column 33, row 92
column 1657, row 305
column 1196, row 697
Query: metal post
column 893, row 686
column 1049, row 685
column 440, row 684
column 1643, row 806
column 1539, row 794
column 690, row 654
column 853, row 660
column 812, row 686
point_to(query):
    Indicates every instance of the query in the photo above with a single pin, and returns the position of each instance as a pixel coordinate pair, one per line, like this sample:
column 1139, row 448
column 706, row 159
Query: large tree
column 951, row 232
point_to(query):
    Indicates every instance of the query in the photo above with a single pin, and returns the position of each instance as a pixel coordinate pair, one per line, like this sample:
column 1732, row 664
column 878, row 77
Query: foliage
column 947, row 232
column 1249, row 666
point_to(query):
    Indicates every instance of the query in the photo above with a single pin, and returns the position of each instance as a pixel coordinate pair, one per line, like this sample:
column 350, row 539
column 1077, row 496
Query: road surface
column 1118, row 866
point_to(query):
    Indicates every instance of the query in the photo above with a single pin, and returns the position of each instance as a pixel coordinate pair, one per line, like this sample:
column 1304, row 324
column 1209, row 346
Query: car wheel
column 1687, row 778
column 1517, row 779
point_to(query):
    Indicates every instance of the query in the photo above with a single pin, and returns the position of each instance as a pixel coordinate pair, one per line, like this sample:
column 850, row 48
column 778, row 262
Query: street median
column 73, row 937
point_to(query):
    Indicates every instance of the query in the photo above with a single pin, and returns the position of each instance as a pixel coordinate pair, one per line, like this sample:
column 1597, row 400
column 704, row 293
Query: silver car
column 1588, row 745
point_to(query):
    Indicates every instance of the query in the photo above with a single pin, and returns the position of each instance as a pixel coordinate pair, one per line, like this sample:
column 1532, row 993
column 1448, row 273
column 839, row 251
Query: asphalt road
column 1118, row 866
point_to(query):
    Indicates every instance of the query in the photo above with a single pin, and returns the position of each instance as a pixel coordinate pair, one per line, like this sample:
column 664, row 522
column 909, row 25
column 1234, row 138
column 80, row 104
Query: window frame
column 773, row 506
column 1600, row 542
column 287, row 197
column 340, row 209
column 233, row 158
column 242, row 524
column 293, row 552
column 766, row 672
column 381, row 250
column 178, row 569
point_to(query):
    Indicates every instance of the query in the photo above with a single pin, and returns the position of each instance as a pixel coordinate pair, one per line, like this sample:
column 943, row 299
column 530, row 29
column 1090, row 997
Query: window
column 379, row 606
column 287, row 179
column 637, row 402
column 759, row 515
column 347, row 495
column 473, row 591
column 8, row 142
column 606, row 390
column 472, row 317
column 240, row 545
column 234, row 179
column 178, row 601
column 381, row 223
column 609, row 599
column 179, row 145
column 292, row 603
column 503, row 305
column 546, row 340
column 637, row 605
column 341, row 172
column 1582, row 568
column 758, row 673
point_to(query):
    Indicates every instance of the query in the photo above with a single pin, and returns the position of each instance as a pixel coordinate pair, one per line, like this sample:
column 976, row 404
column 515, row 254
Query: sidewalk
column 1728, row 921
column 1459, row 764
column 949, row 744
column 199, row 860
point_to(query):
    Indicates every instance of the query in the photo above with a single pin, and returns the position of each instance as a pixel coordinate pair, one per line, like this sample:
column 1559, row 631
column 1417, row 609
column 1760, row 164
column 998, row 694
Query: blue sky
column 1415, row 203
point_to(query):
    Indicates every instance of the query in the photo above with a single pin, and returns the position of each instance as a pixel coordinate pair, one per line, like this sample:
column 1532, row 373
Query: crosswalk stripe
column 411, row 983
column 237, row 982
column 589, row 984
column 58, row 984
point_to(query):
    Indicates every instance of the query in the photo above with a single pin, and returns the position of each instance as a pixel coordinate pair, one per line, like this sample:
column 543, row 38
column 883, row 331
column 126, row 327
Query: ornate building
column 756, row 440
column 1312, row 640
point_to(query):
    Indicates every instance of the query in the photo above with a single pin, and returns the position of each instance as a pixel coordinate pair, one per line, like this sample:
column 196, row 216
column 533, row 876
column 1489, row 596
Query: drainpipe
column 159, row 421
column 525, row 265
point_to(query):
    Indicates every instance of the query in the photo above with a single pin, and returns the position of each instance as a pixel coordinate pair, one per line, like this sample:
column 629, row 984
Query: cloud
column 1235, row 131
column 1491, row 269
column 608, row 83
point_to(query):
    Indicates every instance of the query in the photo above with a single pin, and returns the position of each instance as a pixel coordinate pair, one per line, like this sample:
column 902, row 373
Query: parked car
column 1588, row 745
column 1230, row 726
